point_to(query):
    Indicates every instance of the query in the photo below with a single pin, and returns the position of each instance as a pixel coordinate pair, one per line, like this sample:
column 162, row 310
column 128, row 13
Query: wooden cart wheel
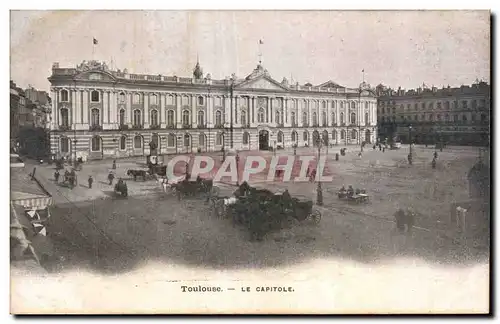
column 315, row 216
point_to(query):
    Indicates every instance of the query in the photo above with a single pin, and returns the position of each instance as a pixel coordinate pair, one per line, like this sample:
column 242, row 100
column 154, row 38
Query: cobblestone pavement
column 98, row 230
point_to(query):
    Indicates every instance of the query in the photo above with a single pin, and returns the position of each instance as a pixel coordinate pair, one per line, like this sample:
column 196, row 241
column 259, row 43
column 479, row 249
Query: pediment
column 95, row 75
column 330, row 84
column 262, row 83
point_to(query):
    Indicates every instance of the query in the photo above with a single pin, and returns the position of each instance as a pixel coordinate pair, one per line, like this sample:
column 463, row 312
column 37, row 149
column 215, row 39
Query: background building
column 98, row 112
column 459, row 116
column 29, row 112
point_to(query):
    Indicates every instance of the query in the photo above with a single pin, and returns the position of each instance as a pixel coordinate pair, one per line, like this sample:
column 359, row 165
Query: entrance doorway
column 264, row 140
column 368, row 136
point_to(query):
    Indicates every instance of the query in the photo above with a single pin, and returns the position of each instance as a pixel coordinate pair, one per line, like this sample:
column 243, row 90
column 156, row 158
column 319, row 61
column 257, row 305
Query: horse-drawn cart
column 262, row 211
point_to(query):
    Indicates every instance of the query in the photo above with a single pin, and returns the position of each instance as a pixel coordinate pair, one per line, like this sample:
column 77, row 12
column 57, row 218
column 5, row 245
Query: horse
column 137, row 173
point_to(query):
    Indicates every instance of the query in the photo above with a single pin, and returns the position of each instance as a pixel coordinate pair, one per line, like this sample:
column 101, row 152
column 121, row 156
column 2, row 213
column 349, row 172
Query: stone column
column 85, row 108
column 79, row 112
column 271, row 111
column 178, row 110
column 252, row 111
column 128, row 108
column 194, row 115
column 105, row 107
column 55, row 107
column 145, row 106
column 72, row 121
column 328, row 113
column 310, row 110
column 114, row 112
column 210, row 112
column 162, row 97
column 226, row 111
column 288, row 117
column 236, row 120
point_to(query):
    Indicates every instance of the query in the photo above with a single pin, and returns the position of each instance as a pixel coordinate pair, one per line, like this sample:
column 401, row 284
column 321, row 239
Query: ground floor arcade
column 108, row 144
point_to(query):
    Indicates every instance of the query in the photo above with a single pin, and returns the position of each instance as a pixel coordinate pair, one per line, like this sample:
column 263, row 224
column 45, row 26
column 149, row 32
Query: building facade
column 98, row 112
column 455, row 116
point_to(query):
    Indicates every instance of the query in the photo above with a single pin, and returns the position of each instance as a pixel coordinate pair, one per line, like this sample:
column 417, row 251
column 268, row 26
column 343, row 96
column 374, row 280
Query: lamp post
column 231, row 112
column 410, row 156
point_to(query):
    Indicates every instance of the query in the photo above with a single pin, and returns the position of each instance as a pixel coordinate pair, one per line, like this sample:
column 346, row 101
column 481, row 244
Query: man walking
column 91, row 180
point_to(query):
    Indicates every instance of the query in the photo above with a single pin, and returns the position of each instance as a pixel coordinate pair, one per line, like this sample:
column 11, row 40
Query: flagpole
column 93, row 49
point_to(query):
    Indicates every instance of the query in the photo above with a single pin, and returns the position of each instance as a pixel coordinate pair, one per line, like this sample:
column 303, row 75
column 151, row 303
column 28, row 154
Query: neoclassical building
column 98, row 112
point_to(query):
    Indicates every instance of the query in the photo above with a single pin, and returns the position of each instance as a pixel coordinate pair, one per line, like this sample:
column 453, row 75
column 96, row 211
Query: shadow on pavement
column 115, row 235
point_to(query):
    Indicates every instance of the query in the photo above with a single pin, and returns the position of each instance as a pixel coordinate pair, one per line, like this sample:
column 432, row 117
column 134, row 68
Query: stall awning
column 29, row 201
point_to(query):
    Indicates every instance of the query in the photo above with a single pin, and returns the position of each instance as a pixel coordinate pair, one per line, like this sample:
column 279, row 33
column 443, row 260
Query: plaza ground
column 94, row 229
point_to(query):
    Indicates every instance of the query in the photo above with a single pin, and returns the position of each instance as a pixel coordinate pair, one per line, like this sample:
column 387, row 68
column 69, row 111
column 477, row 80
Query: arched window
column 294, row 136
column 333, row 104
column 218, row 118
column 353, row 104
column 305, row 136
column 315, row 119
column 170, row 100
column 94, row 96
column 243, row 117
column 154, row 117
column 121, row 98
column 137, row 98
column 171, row 140
column 366, row 104
column 64, row 145
column 123, row 143
column 464, row 118
column 304, row 118
column 201, row 101
column 187, row 140
column 341, row 105
column 138, row 141
column 246, row 138
column 353, row 134
column 170, row 118
column 324, row 118
column 353, row 118
column 334, row 134
column 64, row 96
column 201, row 140
column 64, row 117
column 367, row 120
column 96, row 120
column 261, row 116
column 342, row 134
column 153, row 99
column 291, row 104
column 185, row 100
column 201, row 118
column 186, row 118
column 96, row 144
column 219, row 139
column 137, row 117
column 342, row 120
column 277, row 117
column 334, row 121
column 280, row 137
column 447, row 105
column 292, row 116
column 324, row 104
column 122, row 117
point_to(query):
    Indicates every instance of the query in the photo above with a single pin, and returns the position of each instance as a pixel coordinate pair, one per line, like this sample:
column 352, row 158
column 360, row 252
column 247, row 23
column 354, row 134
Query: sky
column 395, row 48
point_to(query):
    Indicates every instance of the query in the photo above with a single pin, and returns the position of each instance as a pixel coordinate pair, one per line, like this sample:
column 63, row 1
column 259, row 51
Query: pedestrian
column 91, row 180
column 435, row 155
column 114, row 164
column 56, row 176
column 400, row 220
column 434, row 163
column 383, row 149
column 111, row 177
